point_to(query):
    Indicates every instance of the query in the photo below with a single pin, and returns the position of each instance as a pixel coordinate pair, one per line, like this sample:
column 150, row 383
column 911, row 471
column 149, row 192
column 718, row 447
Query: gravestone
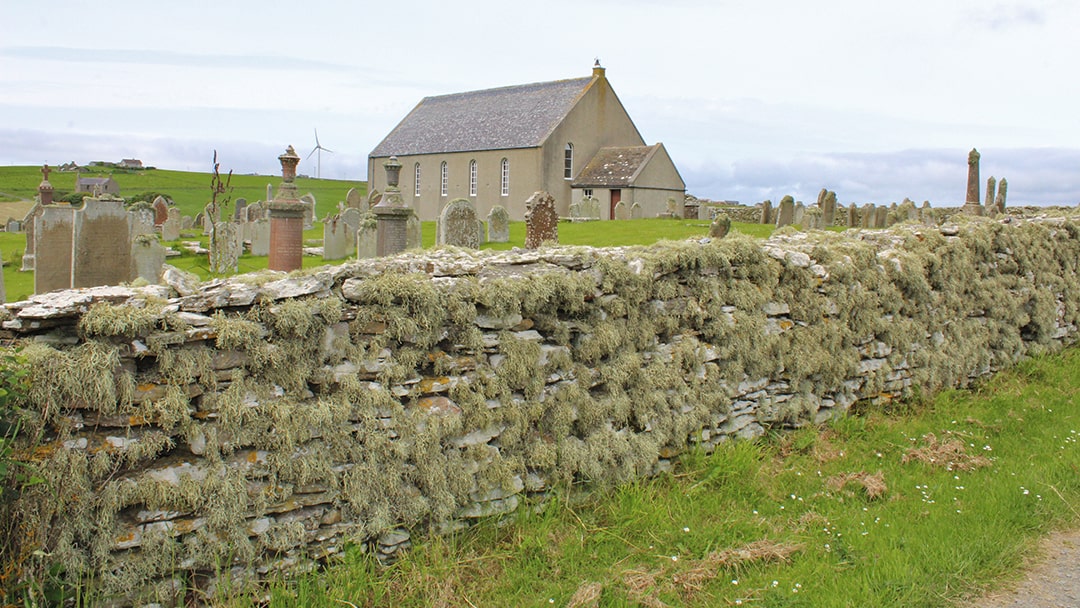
column 720, row 226
column 54, row 237
column 828, row 209
column 170, row 229
column 147, row 258
column 881, row 217
column 308, row 200
column 352, row 217
column 186, row 222
column 591, row 208
column 208, row 220
column 29, row 221
column 786, row 211
column 498, row 225
column 852, row 216
column 161, row 210
column 798, row 214
column 867, row 216
column 541, row 220
column 354, row 200
column 991, row 192
column 367, row 238
column 907, row 211
column 926, row 214
column 636, row 212
column 13, row 225
column 999, row 200
column 621, row 212
column 224, row 252
column 259, row 232
column 336, row 237
column 240, row 205
column 269, row 192
column 971, row 200
column 671, row 209
column 458, row 225
column 142, row 221
column 812, row 218
column 414, row 238
column 766, row 212
column 575, row 210
column 374, row 198
column 102, row 244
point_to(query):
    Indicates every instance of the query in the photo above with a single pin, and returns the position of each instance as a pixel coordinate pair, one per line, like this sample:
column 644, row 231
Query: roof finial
column 597, row 70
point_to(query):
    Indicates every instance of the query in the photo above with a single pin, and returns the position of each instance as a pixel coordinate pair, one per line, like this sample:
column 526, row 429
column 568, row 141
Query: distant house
column 130, row 163
column 498, row 146
column 100, row 185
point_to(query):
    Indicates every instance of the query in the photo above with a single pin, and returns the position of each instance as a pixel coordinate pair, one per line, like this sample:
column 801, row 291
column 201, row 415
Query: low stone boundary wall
column 254, row 424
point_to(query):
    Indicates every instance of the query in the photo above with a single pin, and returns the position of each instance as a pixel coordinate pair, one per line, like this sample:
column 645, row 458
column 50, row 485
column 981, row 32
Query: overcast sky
column 875, row 100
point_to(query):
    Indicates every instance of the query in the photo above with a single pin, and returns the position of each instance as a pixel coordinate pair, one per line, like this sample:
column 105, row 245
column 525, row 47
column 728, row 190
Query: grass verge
column 925, row 504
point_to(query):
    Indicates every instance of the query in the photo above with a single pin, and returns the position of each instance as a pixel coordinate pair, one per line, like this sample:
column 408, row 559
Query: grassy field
column 189, row 190
column 923, row 505
column 20, row 285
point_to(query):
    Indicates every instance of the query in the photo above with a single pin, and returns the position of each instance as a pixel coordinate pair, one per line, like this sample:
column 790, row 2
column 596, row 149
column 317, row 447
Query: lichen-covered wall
column 255, row 424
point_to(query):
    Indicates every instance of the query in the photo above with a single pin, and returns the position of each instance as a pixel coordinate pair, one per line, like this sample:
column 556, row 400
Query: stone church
column 571, row 138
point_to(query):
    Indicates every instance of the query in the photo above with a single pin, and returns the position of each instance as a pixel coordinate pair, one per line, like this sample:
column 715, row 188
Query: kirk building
column 571, row 138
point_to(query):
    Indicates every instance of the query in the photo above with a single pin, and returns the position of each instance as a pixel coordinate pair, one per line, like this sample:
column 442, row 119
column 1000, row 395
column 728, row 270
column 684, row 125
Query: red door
column 616, row 196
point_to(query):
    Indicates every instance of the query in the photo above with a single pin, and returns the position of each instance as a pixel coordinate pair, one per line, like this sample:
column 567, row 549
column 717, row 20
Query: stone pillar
column 391, row 214
column 45, row 189
column 971, row 200
column 287, row 219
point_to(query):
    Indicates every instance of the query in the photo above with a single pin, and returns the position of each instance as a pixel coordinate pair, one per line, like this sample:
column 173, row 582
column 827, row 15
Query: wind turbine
column 318, row 159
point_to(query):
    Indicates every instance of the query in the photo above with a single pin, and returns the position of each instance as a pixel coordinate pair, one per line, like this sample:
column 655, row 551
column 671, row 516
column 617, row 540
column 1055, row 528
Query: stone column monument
column 286, row 219
column 971, row 200
column 391, row 214
column 45, row 189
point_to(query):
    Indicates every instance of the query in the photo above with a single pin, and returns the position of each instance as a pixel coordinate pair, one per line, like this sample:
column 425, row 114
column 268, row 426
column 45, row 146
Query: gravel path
column 1051, row 582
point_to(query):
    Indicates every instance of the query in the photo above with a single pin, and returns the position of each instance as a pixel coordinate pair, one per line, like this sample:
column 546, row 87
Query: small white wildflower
column 775, row 583
column 674, row 558
column 686, row 529
column 734, row 581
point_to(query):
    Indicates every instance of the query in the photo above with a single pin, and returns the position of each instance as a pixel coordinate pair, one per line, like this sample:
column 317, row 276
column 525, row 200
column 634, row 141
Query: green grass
column 768, row 523
column 189, row 190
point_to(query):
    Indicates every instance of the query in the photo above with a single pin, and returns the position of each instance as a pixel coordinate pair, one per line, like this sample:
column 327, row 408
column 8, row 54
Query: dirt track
column 1051, row 581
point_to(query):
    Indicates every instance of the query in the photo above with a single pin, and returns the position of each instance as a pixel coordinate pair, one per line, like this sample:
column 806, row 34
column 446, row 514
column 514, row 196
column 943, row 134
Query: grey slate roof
column 614, row 166
column 493, row 119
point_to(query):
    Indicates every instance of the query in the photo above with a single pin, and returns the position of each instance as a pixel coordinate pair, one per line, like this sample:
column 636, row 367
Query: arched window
column 504, row 177
column 416, row 180
column 472, row 178
column 444, row 179
column 568, row 161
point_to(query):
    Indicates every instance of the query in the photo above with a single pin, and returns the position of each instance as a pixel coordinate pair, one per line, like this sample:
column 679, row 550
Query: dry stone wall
column 262, row 422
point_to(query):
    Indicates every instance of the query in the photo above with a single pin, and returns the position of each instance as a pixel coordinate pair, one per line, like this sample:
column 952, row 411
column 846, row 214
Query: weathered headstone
column 186, row 222
column 671, row 208
column 867, row 216
column 259, row 233
column 881, row 219
column 414, row 236
column 576, row 211
column 161, row 210
column 308, row 200
column 812, row 218
column 828, row 209
column 170, row 229
column 147, row 258
column 766, row 212
column 239, row 207
column 926, row 214
column 720, row 226
column 636, row 212
column 591, row 208
column 354, row 200
column 374, row 198
column 999, row 200
column 367, row 238
column 54, row 237
column 853, row 216
column 991, row 192
column 13, row 225
column 336, row 237
column 102, row 244
column 541, row 220
column 457, row 225
column 798, row 214
column 498, row 224
column 142, row 221
column 269, row 192
column 786, row 212
column 907, row 212
column 224, row 252
column 621, row 212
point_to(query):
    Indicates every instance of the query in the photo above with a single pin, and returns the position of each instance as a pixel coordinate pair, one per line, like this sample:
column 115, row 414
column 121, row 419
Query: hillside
column 189, row 190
